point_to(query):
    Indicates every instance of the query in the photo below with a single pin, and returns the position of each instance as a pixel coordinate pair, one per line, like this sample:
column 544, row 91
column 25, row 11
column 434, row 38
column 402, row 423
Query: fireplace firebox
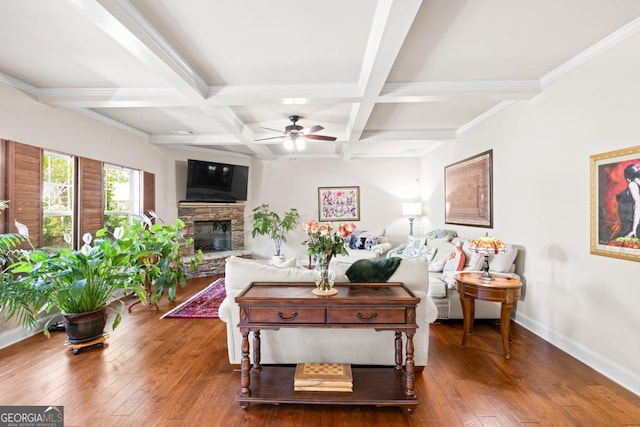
column 212, row 236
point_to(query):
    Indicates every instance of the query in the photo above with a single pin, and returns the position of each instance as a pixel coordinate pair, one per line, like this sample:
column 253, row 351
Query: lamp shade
column 487, row 245
column 411, row 208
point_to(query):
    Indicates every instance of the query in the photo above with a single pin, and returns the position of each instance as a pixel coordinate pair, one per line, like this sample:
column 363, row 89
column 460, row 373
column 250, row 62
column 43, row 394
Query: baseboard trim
column 17, row 334
column 603, row 365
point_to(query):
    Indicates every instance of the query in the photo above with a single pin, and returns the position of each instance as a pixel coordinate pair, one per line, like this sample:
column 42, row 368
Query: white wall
column 583, row 303
column 285, row 184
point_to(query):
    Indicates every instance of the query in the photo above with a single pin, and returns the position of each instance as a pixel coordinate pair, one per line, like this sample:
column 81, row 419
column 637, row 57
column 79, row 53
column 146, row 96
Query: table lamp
column 486, row 245
column 411, row 209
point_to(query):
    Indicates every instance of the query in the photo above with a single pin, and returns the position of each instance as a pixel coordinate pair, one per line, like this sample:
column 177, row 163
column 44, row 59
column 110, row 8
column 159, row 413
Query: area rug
column 203, row 305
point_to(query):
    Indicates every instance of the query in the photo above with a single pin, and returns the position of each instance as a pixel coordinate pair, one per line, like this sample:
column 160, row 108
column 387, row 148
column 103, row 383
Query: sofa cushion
column 367, row 270
column 413, row 273
column 240, row 272
column 437, row 289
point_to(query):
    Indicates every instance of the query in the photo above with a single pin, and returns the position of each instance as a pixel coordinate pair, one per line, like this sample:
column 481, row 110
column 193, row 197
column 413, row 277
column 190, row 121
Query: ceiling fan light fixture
column 300, row 143
column 288, row 144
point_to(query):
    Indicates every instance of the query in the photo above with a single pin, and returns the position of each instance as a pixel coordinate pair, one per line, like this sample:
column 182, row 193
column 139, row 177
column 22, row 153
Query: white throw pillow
column 414, row 244
column 437, row 265
column 291, row 262
column 502, row 262
column 473, row 261
column 427, row 252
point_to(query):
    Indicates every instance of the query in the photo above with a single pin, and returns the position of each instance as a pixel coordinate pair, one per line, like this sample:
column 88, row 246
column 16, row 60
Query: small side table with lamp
column 504, row 289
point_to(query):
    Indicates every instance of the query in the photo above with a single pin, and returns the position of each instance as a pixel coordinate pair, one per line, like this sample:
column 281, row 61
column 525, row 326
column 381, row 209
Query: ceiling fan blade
column 321, row 137
column 272, row 137
column 274, row 130
column 313, row 129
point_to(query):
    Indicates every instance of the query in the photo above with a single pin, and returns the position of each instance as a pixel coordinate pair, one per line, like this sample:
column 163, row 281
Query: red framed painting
column 615, row 204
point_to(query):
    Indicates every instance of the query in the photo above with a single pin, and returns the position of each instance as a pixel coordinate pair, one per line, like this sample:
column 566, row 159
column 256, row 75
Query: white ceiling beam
column 391, row 23
column 284, row 94
column 113, row 97
column 209, row 139
column 409, row 135
column 126, row 25
column 499, row 90
column 122, row 22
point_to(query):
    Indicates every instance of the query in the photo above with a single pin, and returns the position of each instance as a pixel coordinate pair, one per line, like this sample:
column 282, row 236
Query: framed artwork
column 615, row 200
column 339, row 203
column 468, row 191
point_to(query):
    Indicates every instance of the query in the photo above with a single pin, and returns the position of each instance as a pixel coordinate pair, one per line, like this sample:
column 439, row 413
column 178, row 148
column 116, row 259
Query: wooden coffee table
column 503, row 289
column 378, row 306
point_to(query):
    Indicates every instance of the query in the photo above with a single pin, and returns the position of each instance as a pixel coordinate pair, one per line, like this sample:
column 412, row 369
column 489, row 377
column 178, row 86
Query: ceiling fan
column 295, row 134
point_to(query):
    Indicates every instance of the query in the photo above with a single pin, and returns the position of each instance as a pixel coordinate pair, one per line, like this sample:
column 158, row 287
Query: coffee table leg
column 256, row 350
column 245, row 368
column 505, row 327
column 409, row 367
column 398, row 343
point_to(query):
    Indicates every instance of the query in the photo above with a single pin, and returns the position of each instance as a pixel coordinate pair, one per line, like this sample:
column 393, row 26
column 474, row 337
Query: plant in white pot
column 268, row 223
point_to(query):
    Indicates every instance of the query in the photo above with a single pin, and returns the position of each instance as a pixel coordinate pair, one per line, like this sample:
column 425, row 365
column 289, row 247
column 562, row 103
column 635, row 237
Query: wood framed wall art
column 615, row 204
column 339, row 203
column 468, row 188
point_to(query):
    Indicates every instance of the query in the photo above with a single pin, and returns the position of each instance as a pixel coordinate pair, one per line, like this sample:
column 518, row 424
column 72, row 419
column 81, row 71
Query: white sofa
column 366, row 245
column 442, row 287
column 354, row 346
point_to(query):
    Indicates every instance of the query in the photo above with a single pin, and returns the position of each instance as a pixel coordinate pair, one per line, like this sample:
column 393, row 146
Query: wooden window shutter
column 90, row 197
column 148, row 193
column 23, row 188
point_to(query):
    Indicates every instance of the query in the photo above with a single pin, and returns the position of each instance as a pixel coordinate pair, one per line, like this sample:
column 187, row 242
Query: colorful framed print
column 615, row 204
column 339, row 203
column 468, row 189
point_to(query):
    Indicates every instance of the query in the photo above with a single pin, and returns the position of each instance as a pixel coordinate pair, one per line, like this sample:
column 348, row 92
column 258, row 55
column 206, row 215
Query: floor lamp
column 412, row 210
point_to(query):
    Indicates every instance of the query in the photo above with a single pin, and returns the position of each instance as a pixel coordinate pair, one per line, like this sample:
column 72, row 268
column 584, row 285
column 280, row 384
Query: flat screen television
column 216, row 182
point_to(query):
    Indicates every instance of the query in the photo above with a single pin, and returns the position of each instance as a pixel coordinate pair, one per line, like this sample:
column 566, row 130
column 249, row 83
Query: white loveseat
column 442, row 287
column 354, row 346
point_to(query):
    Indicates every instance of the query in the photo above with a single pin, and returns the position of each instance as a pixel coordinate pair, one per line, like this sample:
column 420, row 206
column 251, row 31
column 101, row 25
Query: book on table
column 323, row 377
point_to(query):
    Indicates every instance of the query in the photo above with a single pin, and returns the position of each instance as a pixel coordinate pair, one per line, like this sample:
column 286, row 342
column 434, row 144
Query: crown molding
column 602, row 46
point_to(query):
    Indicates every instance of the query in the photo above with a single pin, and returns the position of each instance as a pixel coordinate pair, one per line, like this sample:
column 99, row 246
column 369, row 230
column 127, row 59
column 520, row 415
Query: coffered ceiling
column 386, row 78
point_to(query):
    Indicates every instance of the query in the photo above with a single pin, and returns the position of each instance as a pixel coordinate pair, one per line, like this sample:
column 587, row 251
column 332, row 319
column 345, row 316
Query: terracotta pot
column 83, row 327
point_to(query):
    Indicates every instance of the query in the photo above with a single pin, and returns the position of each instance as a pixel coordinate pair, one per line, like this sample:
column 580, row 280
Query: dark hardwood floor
column 174, row 372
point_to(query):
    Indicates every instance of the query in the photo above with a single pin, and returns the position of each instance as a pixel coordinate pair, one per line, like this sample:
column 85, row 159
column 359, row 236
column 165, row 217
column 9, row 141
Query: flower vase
column 325, row 278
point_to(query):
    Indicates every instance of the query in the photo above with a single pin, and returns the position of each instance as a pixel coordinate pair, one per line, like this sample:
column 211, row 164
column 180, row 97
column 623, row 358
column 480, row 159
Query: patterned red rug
column 203, row 305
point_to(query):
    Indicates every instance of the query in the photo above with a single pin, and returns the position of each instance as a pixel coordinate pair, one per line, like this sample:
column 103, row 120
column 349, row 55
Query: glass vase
column 325, row 278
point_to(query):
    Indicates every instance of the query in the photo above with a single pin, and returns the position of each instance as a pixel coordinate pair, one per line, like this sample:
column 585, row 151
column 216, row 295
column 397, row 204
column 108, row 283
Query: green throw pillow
column 368, row 270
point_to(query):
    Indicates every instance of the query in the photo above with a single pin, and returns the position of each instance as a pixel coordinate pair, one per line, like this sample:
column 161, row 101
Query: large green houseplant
column 268, row 223
column 93, row 278
column 158, row 250
column 83, row 284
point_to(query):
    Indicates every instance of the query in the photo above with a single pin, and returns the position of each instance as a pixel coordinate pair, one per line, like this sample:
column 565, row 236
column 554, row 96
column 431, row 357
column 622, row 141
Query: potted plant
column 268, row 223
column 158, row 251
column 82, row 284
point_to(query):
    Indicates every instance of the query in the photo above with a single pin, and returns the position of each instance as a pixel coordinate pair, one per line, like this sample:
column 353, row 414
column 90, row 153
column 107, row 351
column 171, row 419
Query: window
column 58, row 173
column 122, row 195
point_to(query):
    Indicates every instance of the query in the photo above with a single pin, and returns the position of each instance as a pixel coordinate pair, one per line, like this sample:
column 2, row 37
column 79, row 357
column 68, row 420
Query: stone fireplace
column 217, row 229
